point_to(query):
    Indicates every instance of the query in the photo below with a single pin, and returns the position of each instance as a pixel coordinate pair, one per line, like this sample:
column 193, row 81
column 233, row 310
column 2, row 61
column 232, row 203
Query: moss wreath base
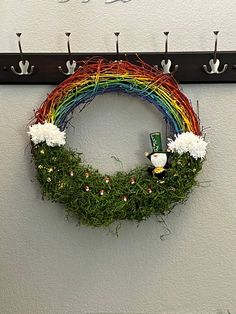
column 99, row 200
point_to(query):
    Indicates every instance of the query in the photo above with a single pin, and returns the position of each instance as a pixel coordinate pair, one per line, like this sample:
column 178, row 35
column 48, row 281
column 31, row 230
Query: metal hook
column 215, row 63
column 166, row 63
column 198, row 111
column 23, row 64
column 117, row 45
column 70, row 63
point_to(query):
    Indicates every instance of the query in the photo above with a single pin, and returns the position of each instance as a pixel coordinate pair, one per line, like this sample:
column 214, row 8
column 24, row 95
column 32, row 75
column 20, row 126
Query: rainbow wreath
column 99, row 200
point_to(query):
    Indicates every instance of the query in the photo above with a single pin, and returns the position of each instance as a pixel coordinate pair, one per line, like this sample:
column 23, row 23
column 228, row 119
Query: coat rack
column 52, row 68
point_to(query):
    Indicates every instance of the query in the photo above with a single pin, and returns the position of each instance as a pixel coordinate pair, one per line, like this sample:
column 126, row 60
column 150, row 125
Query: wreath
column 153, row 189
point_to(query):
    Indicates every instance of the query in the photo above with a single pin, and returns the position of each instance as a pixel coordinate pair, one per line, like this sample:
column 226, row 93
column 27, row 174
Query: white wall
column 50, row 266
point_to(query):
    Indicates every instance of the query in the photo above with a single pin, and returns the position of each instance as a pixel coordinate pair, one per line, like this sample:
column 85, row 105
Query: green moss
column 64, row 179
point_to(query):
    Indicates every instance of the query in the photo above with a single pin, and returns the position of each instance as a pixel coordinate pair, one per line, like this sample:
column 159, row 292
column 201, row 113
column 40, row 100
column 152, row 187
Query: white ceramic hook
column 70, row 64
column 166, row 63
column 23, row 64
column 214, row 67
column 215, row 63
column 24, row 67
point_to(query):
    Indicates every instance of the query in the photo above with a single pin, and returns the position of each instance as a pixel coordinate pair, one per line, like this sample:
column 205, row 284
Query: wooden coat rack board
column 190, row 66
column 186, row 67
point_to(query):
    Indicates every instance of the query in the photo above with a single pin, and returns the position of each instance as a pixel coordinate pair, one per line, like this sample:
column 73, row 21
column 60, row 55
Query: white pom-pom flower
column 48, row 133
column 190, row 143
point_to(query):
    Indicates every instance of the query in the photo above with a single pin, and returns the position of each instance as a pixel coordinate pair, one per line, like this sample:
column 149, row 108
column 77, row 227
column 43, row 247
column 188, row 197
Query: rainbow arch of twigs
column 98, row 76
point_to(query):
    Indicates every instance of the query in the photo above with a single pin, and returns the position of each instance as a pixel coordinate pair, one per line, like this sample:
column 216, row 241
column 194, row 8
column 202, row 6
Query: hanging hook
column 215, row 63
column 166, row 63
column 23, row 64
column 117, row 45
column 70, row 63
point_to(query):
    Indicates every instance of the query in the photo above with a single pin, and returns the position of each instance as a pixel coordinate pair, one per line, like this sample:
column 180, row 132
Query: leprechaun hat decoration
column 156, row 142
